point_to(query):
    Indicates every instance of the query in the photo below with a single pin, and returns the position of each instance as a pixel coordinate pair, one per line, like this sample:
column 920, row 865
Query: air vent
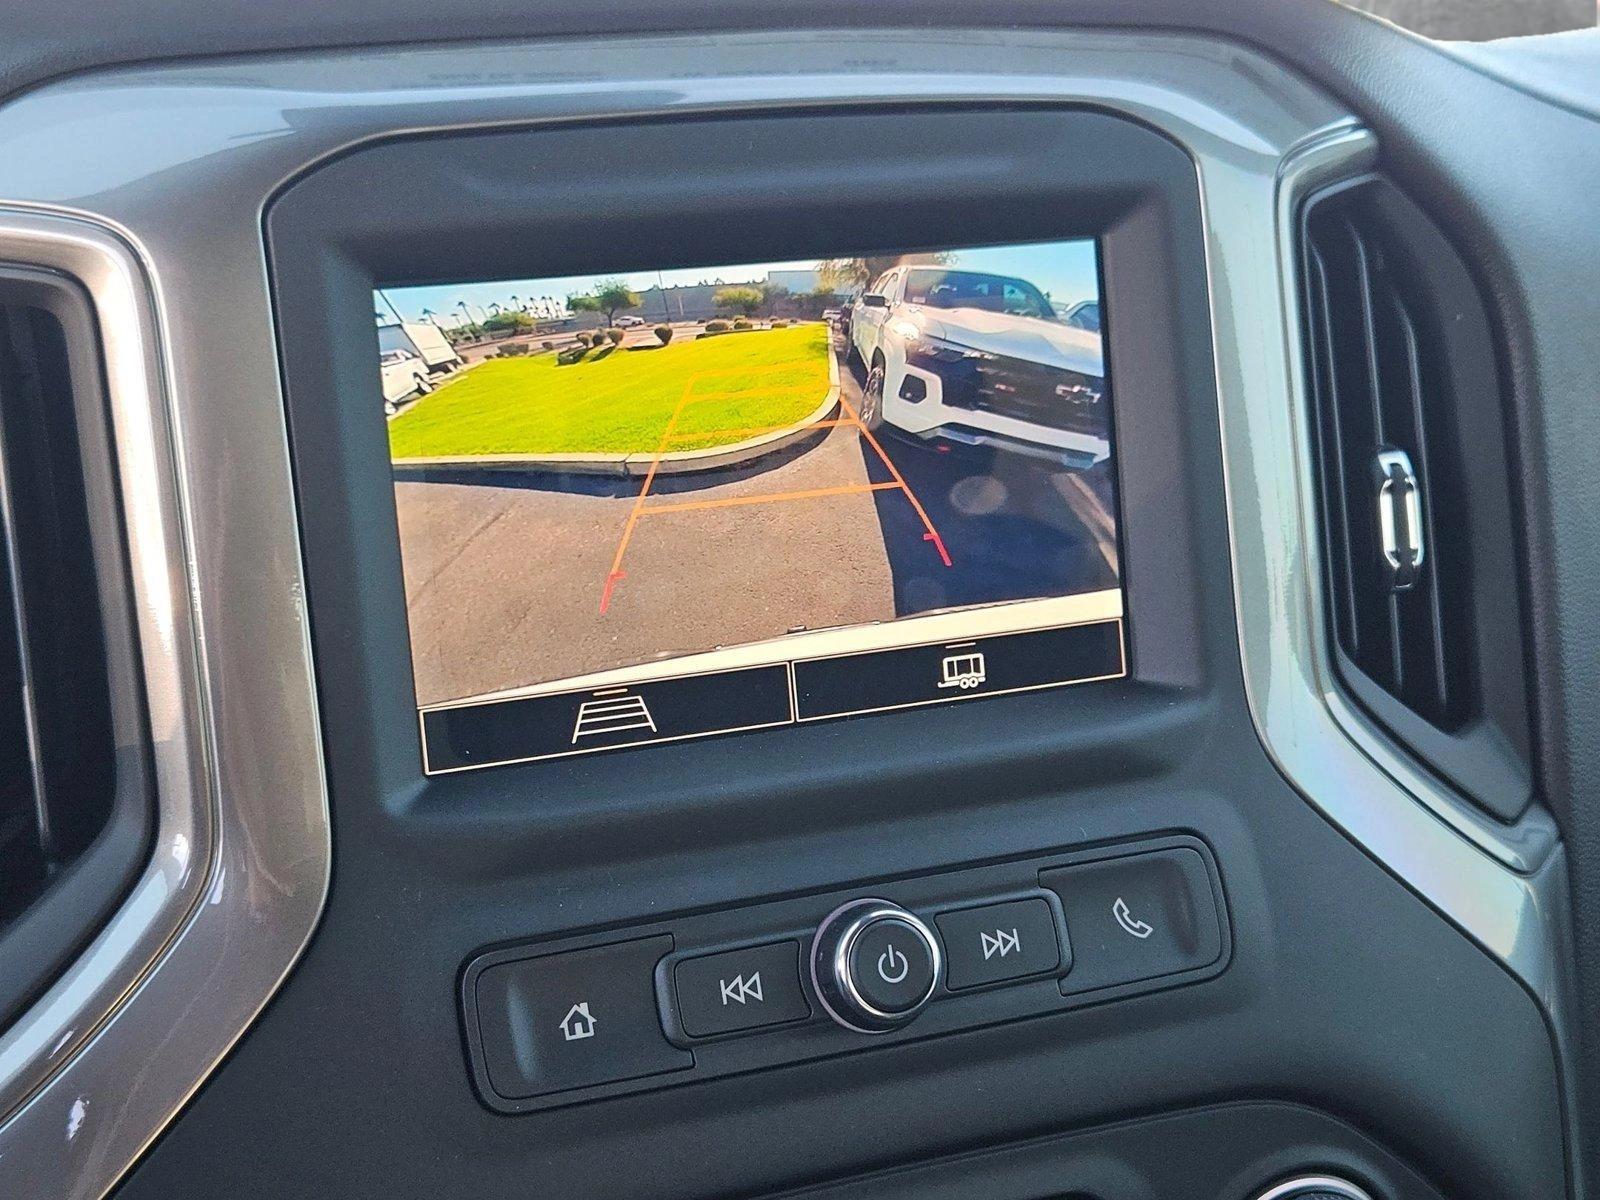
column 73, row 817
column 1418, row 551
column 1391, row 600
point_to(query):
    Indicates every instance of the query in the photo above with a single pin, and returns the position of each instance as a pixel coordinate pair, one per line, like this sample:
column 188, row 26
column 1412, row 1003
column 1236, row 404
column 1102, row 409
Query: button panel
column 731, row 991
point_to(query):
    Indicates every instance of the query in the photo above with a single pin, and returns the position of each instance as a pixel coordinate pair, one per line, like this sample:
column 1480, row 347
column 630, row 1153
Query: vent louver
column 73, row 813
column 1419, row 555
column 55, row 742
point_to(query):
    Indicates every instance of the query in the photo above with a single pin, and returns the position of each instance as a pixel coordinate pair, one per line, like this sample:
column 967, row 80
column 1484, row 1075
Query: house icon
column 577, row 1024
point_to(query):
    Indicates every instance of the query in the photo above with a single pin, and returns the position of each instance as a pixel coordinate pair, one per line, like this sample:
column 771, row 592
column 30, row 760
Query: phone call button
column 1137, row 917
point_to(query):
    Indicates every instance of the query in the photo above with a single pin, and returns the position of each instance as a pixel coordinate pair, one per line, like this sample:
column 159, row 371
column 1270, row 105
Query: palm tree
column 428, row 315
column 516, row 302
column 494, row 308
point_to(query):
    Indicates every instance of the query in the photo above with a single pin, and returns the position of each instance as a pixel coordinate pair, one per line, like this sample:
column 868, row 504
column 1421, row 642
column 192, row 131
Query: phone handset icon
column 1126, row 919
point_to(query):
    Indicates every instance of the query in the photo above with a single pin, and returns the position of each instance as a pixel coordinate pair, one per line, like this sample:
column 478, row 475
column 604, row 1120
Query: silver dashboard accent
column 1314, row 1186
column 158, row 178
column 831, row 949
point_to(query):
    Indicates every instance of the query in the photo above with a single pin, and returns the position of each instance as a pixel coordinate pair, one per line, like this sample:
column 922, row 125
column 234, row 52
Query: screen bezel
column 563, row 198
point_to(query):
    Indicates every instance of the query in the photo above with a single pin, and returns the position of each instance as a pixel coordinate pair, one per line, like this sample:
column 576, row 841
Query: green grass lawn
column 621, row 403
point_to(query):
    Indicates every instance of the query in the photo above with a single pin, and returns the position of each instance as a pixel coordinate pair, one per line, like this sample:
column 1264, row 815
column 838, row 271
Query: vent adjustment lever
column 1399, row 519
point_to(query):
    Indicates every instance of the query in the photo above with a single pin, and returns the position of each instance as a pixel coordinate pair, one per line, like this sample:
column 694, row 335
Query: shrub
column 591, row 337
column 507, row 323
column 664, row 332
column 740, row 324
column 716, row 327
column 512, row 349
column 780, row 324
column 567, row 357
column 548, row 345
column 615, row 336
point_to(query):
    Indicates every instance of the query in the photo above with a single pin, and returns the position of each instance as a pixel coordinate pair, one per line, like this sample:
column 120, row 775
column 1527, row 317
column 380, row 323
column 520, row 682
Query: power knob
column 874, row 965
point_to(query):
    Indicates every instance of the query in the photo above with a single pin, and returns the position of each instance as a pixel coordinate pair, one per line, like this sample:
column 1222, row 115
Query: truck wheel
column 872, row 397
column 424, row 385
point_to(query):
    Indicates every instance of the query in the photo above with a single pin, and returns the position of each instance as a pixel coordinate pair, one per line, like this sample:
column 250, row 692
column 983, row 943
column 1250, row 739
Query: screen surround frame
column 560, row 198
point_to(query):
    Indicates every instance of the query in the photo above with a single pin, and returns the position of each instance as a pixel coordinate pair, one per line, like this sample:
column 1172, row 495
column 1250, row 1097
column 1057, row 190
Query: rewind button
column 740, row 989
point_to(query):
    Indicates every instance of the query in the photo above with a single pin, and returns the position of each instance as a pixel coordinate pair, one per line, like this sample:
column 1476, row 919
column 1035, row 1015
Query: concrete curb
column 637, row 465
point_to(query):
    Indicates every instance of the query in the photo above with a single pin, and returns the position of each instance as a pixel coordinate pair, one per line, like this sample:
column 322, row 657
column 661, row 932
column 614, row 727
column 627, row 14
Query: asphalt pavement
column 505, row 572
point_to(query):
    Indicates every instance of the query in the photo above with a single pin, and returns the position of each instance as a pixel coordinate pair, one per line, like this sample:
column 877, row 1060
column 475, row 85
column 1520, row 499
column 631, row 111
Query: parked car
column 970, row 356
column 1085, row 314
column 629, row 321
column 403, row 374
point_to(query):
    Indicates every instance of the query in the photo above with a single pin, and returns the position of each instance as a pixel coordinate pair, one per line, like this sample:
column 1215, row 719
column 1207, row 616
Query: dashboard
column 812, row 611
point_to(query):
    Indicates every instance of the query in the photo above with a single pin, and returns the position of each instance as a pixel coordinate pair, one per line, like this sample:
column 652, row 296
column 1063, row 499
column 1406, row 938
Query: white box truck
column 420, row 340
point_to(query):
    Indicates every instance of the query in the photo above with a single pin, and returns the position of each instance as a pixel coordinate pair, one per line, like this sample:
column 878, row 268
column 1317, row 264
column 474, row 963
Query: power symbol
column 893, row 966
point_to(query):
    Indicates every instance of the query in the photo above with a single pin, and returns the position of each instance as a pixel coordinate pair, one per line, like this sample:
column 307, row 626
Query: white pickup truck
column 974, row 357
column 403, row 374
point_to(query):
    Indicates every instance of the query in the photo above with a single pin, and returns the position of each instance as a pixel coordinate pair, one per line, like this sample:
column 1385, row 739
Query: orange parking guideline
column 756, row 430
column 744, row 394
column 638, row 503
column 848, row 489
column 933, row 534
column 667, row 435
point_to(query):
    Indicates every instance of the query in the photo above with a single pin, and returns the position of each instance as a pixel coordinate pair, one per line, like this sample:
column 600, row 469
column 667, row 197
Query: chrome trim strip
column 120, row 147
column 55, row 1028
column 1309, row 1185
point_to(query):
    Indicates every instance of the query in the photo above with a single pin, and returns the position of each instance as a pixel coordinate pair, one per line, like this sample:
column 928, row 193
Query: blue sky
column 1066, row 270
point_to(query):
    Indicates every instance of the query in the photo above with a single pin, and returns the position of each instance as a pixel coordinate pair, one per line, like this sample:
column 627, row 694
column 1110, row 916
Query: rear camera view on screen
column 656, row 505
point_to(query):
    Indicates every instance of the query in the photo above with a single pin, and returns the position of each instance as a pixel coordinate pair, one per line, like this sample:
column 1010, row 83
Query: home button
column 572, row 1020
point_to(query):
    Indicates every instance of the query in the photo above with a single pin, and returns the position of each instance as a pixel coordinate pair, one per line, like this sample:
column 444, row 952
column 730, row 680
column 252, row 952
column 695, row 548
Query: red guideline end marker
column 930, row 536
column 611, row 582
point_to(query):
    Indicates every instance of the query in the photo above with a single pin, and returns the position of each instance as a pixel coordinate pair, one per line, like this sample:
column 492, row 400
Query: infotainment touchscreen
column 656, row 505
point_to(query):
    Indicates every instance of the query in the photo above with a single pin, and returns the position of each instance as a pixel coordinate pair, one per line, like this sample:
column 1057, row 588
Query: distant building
column 691, row 302
column 796, row 283
column 697, row 301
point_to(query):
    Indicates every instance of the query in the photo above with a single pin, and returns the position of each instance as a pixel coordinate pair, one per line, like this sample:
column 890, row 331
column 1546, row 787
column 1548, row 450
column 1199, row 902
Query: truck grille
column 1050, row 397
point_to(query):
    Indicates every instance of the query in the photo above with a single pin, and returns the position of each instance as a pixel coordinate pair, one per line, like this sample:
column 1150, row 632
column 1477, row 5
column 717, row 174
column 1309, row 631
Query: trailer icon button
column 962, row 670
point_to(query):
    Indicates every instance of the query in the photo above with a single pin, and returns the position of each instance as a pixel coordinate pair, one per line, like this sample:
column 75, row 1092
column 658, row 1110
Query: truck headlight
column 931, row 353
